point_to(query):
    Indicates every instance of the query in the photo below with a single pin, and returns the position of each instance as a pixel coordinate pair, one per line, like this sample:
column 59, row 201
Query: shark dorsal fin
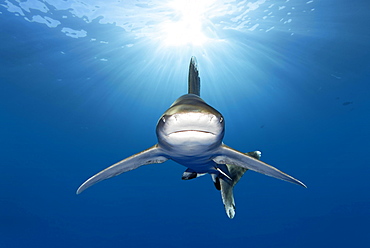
column 194, row 80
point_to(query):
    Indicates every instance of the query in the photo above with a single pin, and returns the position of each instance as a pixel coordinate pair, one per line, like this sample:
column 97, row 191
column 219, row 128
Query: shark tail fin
column 193, row 80
column 227, row 186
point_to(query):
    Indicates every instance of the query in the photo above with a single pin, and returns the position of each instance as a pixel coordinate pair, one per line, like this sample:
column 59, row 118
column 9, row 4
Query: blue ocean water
column 82, row 84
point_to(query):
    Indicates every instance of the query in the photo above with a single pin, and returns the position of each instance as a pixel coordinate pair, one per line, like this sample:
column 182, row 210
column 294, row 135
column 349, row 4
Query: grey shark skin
column 190, row 133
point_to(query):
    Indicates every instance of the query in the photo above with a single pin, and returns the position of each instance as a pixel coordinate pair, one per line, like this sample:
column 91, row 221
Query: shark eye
column 163, row 119
column 221, row 119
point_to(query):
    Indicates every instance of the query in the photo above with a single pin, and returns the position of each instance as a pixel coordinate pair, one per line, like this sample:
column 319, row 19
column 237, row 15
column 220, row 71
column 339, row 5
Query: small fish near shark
column 190, row 133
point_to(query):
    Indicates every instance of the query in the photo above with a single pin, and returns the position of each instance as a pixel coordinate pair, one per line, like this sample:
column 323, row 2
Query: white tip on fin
column 228, row 197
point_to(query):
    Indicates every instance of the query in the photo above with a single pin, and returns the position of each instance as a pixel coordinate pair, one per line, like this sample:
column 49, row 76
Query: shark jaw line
column 192, row 131
column 192, row 139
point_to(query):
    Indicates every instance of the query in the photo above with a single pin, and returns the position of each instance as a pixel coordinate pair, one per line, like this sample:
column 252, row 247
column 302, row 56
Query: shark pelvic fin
column 190, row 174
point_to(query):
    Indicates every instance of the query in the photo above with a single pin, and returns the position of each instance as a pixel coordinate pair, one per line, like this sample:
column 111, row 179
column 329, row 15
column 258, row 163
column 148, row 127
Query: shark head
column 191, row 123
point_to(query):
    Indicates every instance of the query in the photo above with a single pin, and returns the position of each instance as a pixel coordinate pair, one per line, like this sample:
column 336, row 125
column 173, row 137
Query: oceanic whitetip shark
column 190, row 133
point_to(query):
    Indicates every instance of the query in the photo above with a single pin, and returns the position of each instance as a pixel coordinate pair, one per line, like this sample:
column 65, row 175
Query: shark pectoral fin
column 236, row 172
column 228, row 155
column 149, row 156
column 228, row 197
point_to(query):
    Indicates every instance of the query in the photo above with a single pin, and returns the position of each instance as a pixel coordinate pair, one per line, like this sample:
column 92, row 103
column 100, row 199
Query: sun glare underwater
column 170, row 32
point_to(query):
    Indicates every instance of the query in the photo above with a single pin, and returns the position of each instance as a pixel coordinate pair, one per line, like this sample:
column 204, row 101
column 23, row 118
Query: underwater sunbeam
column 188, row 24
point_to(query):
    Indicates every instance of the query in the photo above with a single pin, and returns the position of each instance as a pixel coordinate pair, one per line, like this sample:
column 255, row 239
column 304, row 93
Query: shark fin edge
column 227, row 155
column 150, row 156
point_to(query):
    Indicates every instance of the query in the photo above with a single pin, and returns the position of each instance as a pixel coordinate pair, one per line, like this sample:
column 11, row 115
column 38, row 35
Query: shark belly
column 196, row 156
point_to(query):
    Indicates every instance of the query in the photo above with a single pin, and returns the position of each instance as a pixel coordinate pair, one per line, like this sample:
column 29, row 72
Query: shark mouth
column 198, row 131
